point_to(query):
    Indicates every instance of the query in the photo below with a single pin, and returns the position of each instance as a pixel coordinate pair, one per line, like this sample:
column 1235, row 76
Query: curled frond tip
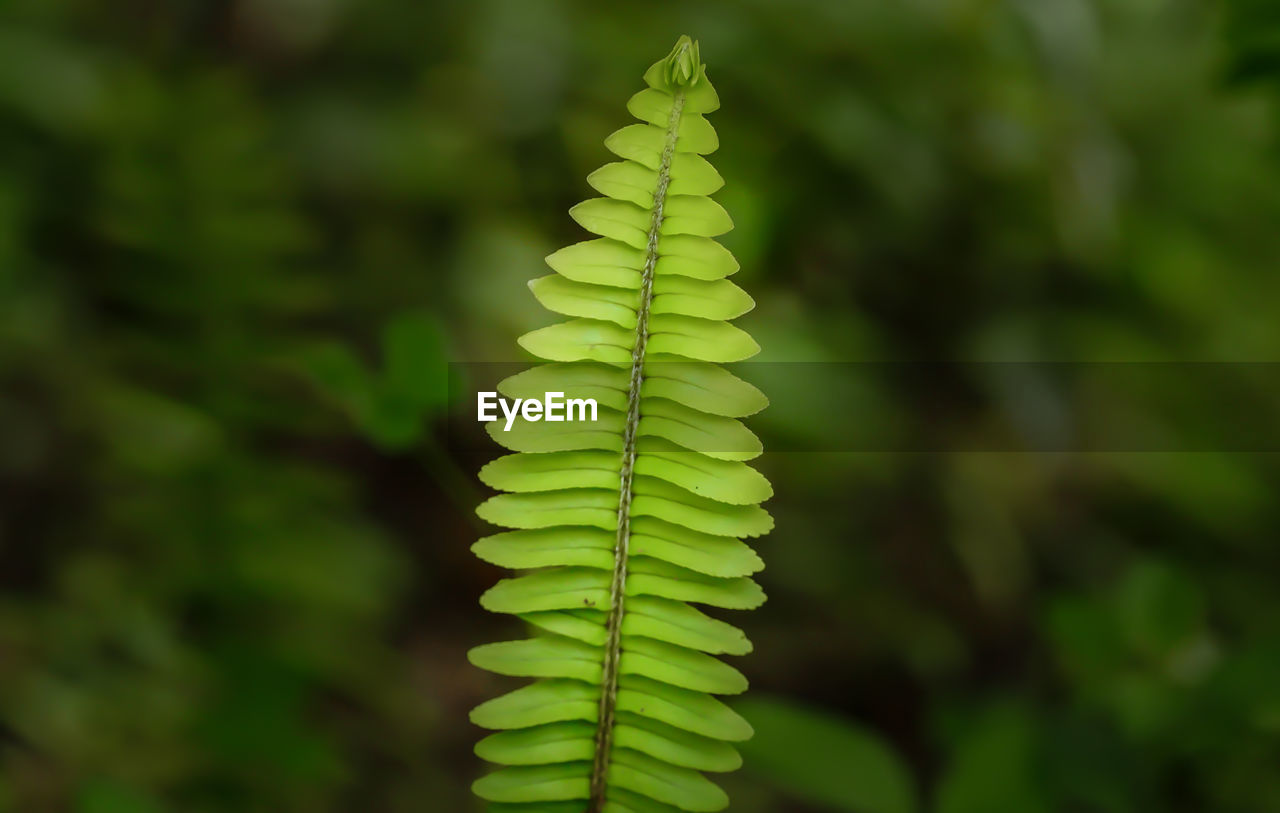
column 683, row 66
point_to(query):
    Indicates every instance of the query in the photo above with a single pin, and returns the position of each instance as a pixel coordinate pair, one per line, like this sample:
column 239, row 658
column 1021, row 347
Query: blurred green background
column 239, row 241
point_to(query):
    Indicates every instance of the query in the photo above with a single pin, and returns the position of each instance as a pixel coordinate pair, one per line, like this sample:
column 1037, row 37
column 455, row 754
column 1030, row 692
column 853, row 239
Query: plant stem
column 617, row 590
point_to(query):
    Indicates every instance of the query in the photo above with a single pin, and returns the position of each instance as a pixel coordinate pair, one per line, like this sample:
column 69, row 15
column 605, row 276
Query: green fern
column 624, row 522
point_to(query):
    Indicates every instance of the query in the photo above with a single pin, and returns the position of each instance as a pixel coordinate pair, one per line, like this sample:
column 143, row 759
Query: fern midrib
column 617, row 589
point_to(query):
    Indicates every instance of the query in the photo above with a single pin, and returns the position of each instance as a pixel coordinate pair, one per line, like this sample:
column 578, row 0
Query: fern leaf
column 619, row 526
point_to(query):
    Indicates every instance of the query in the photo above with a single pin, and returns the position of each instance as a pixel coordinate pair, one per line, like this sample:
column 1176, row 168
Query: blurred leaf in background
column 993, row 766
column 826, row 760
column 396, row 405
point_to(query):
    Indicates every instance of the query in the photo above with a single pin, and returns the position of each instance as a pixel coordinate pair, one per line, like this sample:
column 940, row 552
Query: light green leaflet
column 618, row 526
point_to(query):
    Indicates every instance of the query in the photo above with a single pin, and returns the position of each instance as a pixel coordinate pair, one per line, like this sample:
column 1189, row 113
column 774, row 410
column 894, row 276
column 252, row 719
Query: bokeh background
column 240, row 241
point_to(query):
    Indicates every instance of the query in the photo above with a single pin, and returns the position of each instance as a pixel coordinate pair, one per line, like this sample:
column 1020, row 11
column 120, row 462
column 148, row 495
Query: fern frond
column 620, row 525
